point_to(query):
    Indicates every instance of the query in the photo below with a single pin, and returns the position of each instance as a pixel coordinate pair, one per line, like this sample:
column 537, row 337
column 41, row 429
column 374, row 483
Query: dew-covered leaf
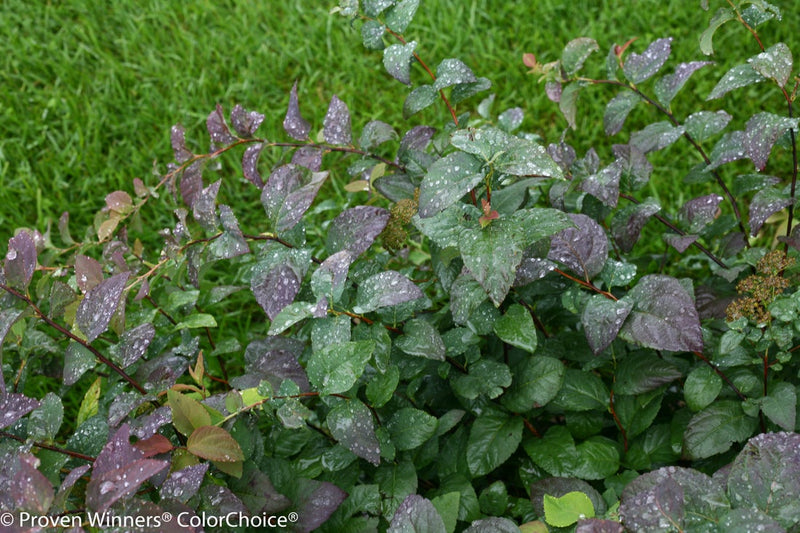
column 583, row 248
column 485, row 378
column 14, row 406
column 250, row 164
column 134, row 343
column 217, row 129
column 637, row 68
column 400, row 15
column 729, row 148
column 704, row 124
column 352, row 426
column 492, row 257
column 376, row 133
column 290, row 315
column 245, row 122
column 634, row 166
column 275, row 289
column 421, row 339
column 576, row 52
column 766, row 203
column 452, row 72
column 204, row 208
column 744, row 183
column 336, row 368
column 410, row 428
column 289, row 193
column 77, row 360
column 418, row 99
column 336, row 125
column 99, row 305
column 697, row 213
column 215, row 444
column 385, row 289
column 668, row 86
column 774, row 63
column 738, row 76
column 447, row 180
column 516, row 328
column 511, row 119
column 20, row 261
column 536, row 382
column 568, row 103
column 723, row 15
column 701, row 388
column 192, row 182
column 355, row 229
column 416, row 515
column 493, row 438
column 462, row 91
column 397, row 60
column 617, row 111
column 656, row 136
column 496, row 524
column 31, row 491
column 761, row 133
column 328, row 280
column 275, row 359
column 183, row 484
column 602, row 319
column 526, row 158
column 604, row 185
column 680, row 242
column 643, row 371
column 177, row 139
column 714, row 429
column 372, row 35
column 309, row 157
column 466, row 295
column 663, row 317
column 295, row 125
column 317, row 501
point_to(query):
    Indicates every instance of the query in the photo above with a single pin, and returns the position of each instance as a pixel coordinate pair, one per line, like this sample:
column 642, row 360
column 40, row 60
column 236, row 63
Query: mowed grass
column 88, row 91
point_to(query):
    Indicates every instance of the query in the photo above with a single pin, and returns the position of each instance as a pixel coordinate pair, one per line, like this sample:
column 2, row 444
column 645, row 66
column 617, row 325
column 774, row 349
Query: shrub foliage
column 496, row 333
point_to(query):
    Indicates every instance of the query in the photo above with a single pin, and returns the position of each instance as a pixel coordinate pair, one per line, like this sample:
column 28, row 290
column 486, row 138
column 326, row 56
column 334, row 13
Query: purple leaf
column 774, row 63
column 134, row 342
column 222, row 500
column 250, row 164
column 761, row 133
column 14, row 406
column 275, row 359
column 602, row 319
column 385, row 289
column 648, row 509
column 183, row 484
column 634, row 166
column 416, row 139
column 217, row 129
column 117, row 452
column 99, row 305
column 553, row 91
column 192, row 182
column 245, row 122
column 351, row 424
column 88, row 272
column 309, row 157
column 289, row 193
column 656, row 136
column 20, row 261
column 416, row 514
column 66, row 486
column 604, row 185
column 563, row 154
column 664, row 316
column 699, row 212
column 617, row 111
column 729, row 148
column 146, row 426
column 397, row 61
column 276, row 289
column 32, row 492
column 766, row 203
column 355, row 229
column 103, row 491
column 204, row 208
column 259, row 494
column 667, row 87
column 680, row 242
column 637, row 68
column 177, row 139
column 336, row 125
column 703, row 124
column 376, row 133
column 295, row 125
column 317, row 502
column 231, row 243
column 583, row 249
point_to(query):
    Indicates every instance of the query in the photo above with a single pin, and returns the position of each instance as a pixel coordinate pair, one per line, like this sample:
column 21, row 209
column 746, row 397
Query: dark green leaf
column 486, row 377
column 416, row 515
column 656, row 136
column 447, row 180
column 493, row 438
column 410, row 428
column 714, row 429
column 536, row 381
column 397, row 60
column 45, row 421
column 385, row 289
column 420, row 338
column 602, row 319
column 738, row 76
column 557, row 454
column 418, row 99
column 336, row 368
column 582, row 391
column 702, row 387
column 77, row 360
column 617, row 111
column 729, row 148
column 462, row 91
column 516, row 328
column 568, row 103
column 780, row 405
column 399, row 16
column 381, row 387
column 350, row 423
column 637, row 68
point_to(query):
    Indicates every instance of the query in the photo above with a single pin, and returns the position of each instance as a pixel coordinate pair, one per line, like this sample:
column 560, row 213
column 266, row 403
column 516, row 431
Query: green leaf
column 336, row 368
column 400, row 15
column 77, row 360
column 447, row 506
column 215, row 444
column 45, row 421
column 350, row 423
column 536, row 381
column 447, row 180
column 582, row 391
column 416, row 515
column 576, row 52
column 780, row 405
column 462, row 91
column 452, row 72
column 656, row 136
column 617, row 111
column 643, row 371
column 410, row 428
column 397, row 60
column 737, row 77
column 197, row 320
column 723, row 15
column 420, row 338
column 493, row 438
column 774, row 63
column 485, row 377
column 90, row 402
column 702, row 387
column 372, row 35
column 557, row 454
column 568, row 509
column 418, row 99
column 714, row 429
column 704, row 124
column 187, row 413
column 381, row 387
column 568, row 103
column 385, row 289
column 516, row 328
column 290, row 315
column 602, row 319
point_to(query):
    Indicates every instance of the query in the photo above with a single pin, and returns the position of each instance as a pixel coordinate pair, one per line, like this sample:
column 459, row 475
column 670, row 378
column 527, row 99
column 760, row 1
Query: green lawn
column 88, row 93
